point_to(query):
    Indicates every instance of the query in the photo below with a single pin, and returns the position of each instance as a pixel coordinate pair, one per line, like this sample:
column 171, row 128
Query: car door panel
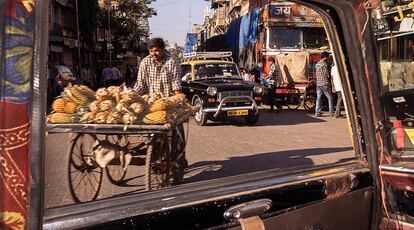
column 349, row 211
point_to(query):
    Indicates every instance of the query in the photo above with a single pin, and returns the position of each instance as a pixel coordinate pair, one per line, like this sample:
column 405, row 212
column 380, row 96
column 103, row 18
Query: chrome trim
column 397, row 169
column 233, row 93
column 220, row 106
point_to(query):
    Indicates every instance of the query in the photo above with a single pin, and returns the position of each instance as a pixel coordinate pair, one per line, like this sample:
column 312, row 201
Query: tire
column 309, row 103
column 85, row 180
column 293, row 99
column 115, row 172
column 252, row 118
column 200, row 117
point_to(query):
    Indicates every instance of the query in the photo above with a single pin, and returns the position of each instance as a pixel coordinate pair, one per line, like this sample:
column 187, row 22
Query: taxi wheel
column 252, row 118
column 200, row 116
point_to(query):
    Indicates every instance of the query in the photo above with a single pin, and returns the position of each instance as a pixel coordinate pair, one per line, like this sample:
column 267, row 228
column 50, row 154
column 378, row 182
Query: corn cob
column 94, row 106
column 87, row 89
column 114, row 118
column 158, row 105
column 106, row 105
column 129, row 118
column 102, row 94
column 59, row 118
column 78, row 94
column 59, row 105
column 70, row 96
column 153, row 98
column 90, row 94
column 101, row 117
column 137, row 107
column 70, row 107
column 130, row 96
column 122, row 107
column 159, row 117
column 88, row 117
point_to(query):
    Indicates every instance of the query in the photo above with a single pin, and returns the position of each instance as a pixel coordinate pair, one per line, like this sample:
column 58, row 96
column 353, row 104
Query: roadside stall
column 115, row 127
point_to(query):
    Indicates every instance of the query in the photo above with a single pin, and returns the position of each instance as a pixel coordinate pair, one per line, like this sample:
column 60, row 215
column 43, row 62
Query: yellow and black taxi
column 212, row 81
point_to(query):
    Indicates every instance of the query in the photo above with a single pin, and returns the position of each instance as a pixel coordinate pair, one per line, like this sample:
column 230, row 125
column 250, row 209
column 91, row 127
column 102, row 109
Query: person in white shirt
column 245, row 74
column 338, row 88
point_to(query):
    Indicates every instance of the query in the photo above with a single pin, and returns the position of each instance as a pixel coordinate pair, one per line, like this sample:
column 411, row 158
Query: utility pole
column 78, row 36
column 109, row 32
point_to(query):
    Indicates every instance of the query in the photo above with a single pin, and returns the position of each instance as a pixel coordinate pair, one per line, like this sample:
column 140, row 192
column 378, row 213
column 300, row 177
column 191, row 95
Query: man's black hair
column 325, row 54
column 156, row 42
column 272, row 59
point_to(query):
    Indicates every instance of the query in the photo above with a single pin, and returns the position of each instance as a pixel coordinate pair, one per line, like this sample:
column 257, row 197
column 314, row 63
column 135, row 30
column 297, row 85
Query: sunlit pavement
column 219, row 149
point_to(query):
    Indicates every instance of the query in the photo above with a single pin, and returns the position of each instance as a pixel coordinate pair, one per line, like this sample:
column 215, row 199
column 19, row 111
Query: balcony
column 219, row 3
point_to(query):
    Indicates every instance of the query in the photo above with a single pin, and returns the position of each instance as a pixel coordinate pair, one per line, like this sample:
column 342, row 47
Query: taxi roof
column 200, row 62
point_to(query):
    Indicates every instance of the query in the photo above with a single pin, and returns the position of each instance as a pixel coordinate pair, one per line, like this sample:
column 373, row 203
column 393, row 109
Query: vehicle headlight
column 257, row 89
column 212, row 91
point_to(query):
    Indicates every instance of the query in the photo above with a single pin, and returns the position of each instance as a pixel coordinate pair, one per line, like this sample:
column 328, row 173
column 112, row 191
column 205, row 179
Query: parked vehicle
column 211, row 80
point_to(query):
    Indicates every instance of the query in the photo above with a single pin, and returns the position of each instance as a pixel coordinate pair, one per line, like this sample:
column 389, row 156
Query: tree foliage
column 176, row 51
column 88, row 19
column 126, row 26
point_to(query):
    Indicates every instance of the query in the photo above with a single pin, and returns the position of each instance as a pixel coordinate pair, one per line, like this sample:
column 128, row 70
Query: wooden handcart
column 160, row 148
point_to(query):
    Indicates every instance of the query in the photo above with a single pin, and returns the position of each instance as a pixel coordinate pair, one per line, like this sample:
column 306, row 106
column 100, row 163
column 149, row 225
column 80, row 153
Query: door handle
column 248, row 209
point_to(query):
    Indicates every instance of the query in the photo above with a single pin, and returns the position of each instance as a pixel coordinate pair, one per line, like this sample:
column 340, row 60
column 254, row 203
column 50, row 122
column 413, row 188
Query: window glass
column 314, row 37
column 212, row 70
column 238, row 127
column 284, row 37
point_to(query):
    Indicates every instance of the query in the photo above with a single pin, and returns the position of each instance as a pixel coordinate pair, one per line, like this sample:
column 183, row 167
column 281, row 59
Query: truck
column 295, row 36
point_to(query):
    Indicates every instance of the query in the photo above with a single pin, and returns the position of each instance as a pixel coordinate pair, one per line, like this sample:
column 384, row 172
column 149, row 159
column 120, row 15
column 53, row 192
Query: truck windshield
column 212, row 70
column 314, row 37
column 284, row 37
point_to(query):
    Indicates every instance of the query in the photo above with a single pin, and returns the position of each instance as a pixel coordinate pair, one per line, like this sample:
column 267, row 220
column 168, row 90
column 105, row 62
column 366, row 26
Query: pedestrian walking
column 323, row 84
column 86, row 75
column 116, row 76
column 245, row 74
column 338, row 89
column 271, row 81
column 107, row 76
column 159, row 73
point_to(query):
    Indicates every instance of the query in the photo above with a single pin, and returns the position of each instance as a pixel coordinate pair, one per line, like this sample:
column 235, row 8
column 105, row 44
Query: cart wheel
column 85, row 179
column 309, row 103
column 157, row 165
column 115, row 171
column 293, row 99
column 178, row 155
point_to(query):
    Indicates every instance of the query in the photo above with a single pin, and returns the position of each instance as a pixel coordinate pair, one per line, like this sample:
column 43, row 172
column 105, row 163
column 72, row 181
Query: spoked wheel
column 292, row 99
column 85, row 177
column 157, row 164
column 115, row 171
column 309, row 103
column 180, row 163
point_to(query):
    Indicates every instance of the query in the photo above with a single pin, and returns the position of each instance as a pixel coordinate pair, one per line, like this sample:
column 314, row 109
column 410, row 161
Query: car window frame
column 37, row 145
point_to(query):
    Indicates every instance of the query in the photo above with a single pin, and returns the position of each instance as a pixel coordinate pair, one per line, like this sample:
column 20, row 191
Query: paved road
column 290, row 138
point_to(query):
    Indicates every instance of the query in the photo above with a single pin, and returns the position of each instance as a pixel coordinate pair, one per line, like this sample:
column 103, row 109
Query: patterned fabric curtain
column 17, row 27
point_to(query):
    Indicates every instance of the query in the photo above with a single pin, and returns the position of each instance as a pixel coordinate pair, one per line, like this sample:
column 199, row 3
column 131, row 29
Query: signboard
column 291, row 13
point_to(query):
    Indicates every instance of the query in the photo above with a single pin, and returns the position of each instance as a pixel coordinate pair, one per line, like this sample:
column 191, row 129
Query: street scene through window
column 142, row 99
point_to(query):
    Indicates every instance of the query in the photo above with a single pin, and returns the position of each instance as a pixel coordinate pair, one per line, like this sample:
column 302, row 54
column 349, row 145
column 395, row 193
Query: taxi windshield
column 216, row 70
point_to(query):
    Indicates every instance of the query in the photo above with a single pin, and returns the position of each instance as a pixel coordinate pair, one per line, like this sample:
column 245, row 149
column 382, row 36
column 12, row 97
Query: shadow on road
column 207, row 170
column 285, row 117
